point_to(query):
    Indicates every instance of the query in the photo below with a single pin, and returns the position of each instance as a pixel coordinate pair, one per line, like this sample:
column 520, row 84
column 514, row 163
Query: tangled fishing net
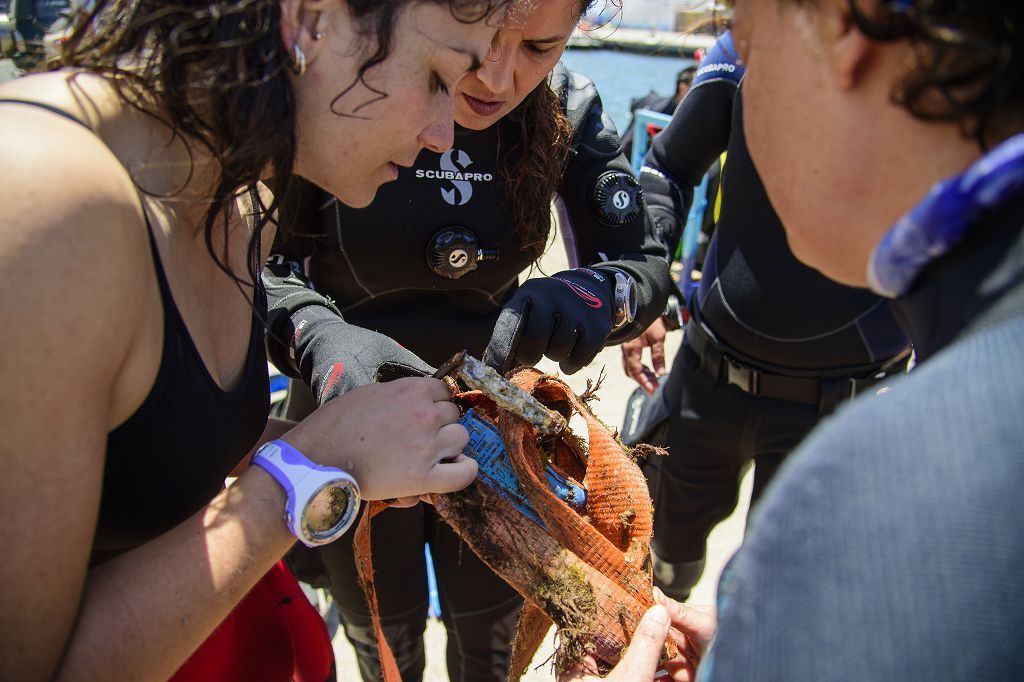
column 588, row 573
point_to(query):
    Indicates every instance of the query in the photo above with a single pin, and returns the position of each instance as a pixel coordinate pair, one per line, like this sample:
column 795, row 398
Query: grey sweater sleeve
column 889, row 546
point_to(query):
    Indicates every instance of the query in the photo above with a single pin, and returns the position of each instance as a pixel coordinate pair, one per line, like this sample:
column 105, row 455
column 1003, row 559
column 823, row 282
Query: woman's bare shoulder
column 62, row 184
column 72, row 220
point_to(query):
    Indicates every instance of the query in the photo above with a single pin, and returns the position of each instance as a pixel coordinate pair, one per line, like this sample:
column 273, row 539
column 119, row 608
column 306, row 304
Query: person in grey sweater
column 889, row 545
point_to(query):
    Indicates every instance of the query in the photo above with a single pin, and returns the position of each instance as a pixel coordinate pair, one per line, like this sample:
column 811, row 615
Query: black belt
column 825, row 392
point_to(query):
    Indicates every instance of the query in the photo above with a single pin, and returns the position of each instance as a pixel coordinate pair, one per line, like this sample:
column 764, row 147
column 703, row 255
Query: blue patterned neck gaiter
column 940, row 222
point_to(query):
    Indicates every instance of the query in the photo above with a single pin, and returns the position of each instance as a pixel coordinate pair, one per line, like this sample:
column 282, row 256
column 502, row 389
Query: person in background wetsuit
column 658, row 103
column 431, row 267
column 31, row 20
column 771, row 347
column 891, row 537
column 133, row 362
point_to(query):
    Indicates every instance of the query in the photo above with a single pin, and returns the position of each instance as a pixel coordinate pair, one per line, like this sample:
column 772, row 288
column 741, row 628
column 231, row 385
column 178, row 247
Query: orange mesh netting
column 590, row 575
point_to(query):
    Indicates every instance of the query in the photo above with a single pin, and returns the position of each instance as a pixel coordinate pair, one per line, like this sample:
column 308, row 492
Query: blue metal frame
column 641, row 140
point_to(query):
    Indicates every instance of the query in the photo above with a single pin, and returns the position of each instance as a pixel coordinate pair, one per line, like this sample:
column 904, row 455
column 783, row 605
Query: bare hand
column 692, row 628
column 632, row 356
column 397, row 439
column 640, row 662
column 411, row 501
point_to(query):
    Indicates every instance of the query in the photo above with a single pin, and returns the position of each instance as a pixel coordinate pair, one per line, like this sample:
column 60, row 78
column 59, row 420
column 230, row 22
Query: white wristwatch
column 322, row 501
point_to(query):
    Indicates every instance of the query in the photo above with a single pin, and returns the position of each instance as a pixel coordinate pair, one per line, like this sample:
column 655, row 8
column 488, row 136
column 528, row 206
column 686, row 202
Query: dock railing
column 646, row 124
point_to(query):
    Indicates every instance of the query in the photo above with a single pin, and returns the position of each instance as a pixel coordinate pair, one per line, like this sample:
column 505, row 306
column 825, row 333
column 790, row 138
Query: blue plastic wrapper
column 488, row 449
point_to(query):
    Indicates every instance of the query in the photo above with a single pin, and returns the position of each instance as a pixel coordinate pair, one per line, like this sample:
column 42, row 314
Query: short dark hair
column 968, row 67
column 686, row 75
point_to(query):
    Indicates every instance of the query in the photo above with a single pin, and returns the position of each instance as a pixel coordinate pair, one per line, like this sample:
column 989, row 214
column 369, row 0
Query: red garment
column 273, row 635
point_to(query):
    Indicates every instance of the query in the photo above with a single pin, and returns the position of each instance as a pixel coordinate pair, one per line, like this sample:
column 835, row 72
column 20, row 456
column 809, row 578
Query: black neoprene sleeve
column 681, row 154
column 634, row 246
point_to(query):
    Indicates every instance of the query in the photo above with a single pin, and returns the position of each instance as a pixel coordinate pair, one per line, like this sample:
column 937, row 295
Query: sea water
column 623, row 76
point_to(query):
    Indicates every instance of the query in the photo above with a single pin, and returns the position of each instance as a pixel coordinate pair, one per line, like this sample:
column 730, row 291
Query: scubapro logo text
column 718, row 67
column 453, row 169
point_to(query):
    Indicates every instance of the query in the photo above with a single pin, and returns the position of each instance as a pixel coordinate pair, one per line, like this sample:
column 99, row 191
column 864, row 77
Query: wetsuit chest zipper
column 341, row 248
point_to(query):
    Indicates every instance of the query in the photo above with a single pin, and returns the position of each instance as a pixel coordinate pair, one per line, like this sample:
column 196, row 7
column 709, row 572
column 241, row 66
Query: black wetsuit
column 373, row 264
column 772, row 345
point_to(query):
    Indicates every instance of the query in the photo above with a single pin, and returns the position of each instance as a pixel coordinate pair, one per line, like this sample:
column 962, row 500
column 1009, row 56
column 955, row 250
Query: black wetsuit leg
column 479, row 609
column 715, row 430
column 401, row 582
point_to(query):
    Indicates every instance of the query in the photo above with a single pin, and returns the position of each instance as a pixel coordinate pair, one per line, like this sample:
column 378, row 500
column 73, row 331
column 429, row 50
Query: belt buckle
column 743, row 378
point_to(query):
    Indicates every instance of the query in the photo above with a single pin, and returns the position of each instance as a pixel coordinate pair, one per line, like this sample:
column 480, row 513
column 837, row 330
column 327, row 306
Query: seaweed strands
column 588, row 574
column 592, row 613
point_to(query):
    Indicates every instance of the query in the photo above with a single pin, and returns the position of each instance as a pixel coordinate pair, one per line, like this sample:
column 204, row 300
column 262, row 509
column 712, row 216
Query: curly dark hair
column 968, row 65
column 215, row 74
column 538, row 138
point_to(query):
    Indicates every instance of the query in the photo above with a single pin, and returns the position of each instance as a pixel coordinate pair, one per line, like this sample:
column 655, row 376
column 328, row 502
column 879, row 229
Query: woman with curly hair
column 890, row 138
column 432, row 267
column 133, row 358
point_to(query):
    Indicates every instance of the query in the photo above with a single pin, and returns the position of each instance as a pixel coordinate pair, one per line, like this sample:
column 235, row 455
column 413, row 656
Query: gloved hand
column 335, row 357
column 566, row 317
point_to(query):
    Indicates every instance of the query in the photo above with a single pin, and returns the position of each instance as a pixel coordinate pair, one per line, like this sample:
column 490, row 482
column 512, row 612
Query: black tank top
column 170, row 458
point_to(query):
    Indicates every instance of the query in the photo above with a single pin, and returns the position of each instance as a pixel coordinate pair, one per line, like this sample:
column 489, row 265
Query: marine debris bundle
column 584, row 567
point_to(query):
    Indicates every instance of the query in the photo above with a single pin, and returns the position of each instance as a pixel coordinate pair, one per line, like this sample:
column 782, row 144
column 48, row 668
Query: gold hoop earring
column 297, row 64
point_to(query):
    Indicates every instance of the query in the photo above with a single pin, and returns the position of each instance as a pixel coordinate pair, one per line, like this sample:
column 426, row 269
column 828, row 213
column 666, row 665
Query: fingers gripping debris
column 505, row 394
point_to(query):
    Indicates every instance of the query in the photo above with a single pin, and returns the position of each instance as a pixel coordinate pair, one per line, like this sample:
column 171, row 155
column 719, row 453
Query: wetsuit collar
column 978, row 283
column 946, row 215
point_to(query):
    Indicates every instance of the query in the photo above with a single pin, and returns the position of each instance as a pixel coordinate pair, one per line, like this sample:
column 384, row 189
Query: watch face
column 626, row 299
column 632, row 300
column 329, row 510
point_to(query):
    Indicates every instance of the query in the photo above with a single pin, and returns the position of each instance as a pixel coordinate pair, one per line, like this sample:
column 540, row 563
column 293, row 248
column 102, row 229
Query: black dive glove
column 566, row 317
column 334, row 357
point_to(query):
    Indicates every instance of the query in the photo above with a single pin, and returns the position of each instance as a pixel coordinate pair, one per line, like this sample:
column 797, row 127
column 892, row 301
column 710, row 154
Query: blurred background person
column 658, row 103
column 31, row 20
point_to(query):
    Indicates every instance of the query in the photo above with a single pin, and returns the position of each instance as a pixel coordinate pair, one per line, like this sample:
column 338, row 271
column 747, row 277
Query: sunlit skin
column 681, row 89
column 523, row 53
column 402, row 106
column 840, row 161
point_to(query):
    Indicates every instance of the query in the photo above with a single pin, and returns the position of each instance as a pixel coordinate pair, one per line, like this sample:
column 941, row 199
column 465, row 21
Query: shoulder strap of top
column 43, row 105
column 260, row 293
column 165, row 288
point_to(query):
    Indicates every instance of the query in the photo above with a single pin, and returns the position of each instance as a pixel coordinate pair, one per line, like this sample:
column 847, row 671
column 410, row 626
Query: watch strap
column 300, row 477
column 625, row 296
